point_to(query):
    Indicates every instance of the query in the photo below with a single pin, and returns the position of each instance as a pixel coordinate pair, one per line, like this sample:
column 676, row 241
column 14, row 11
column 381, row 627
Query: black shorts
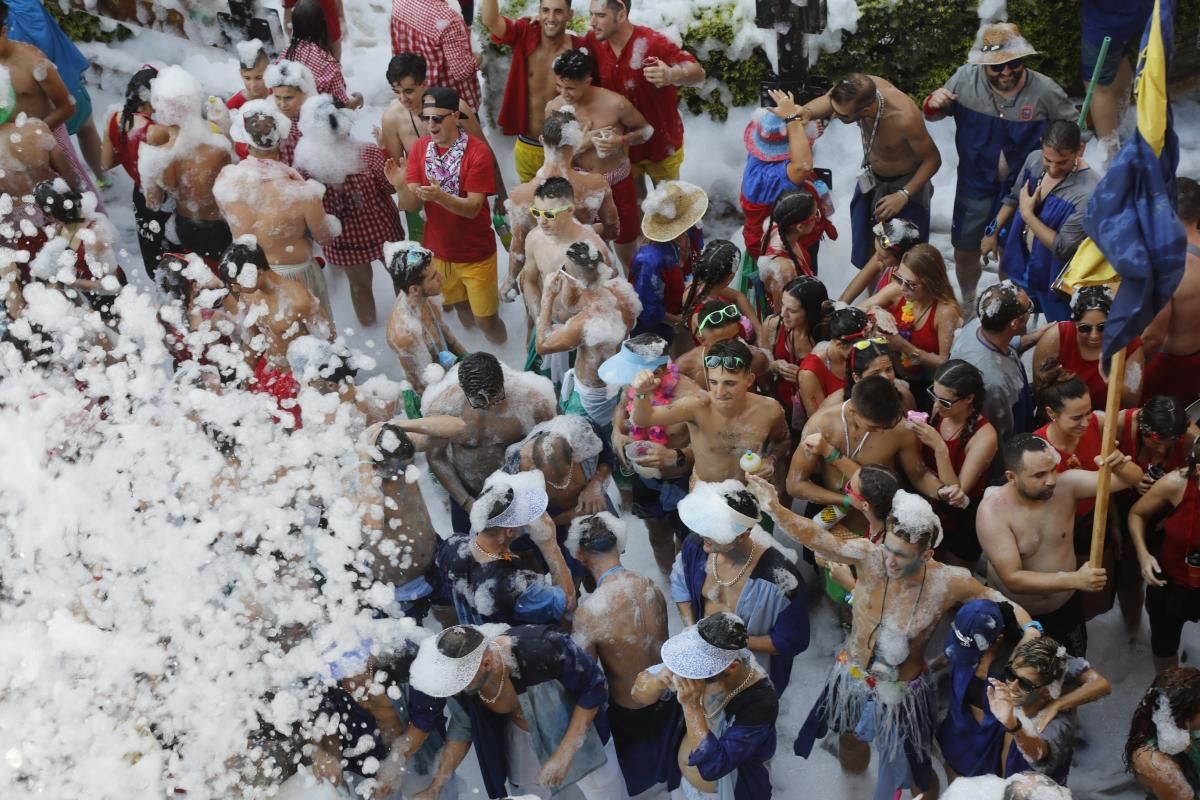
column 648, row 504
column 1066, row 626
column 1170, row 607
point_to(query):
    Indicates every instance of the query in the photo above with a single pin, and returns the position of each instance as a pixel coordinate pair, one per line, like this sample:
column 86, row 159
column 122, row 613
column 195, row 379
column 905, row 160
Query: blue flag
column 1131, row 216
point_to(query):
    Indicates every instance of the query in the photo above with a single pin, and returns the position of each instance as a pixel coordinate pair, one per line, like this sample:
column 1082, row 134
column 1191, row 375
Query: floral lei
column 905, row 327
column 662, row 396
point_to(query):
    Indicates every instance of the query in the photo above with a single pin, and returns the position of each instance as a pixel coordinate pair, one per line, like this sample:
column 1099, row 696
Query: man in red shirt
column 535, row 44
column 451, row 173
column 645, row 66
column 432, row 29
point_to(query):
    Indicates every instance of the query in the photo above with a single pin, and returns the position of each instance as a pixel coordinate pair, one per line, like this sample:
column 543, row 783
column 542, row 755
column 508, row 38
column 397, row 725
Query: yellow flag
column 1088, row 267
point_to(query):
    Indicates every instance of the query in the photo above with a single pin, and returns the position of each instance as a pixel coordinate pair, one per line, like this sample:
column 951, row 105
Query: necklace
column 606, row 573
column 500, row 691
column 712, row 567
column 850, row 454
column 750, row 673
column 486, row 554
column 564, row 484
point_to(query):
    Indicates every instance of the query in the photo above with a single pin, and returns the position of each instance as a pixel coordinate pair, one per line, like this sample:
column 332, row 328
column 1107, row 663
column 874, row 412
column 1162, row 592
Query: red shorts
column 625, row 197
column 1174, row 375
column 279, row 384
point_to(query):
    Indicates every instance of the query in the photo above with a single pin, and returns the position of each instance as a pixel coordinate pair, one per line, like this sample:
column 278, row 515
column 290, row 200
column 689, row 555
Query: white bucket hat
column 529, row 501
column 447, row 663
column 689, row 655
column 706, row 512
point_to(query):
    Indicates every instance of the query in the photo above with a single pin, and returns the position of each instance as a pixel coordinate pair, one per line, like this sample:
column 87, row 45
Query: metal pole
column 1087, row 98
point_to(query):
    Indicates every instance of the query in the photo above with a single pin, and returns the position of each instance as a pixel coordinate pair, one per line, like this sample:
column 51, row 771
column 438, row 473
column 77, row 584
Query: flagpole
column 1112, row 411
column 1087, row 98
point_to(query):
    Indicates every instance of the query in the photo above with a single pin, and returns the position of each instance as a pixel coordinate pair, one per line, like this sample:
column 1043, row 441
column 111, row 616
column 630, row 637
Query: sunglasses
column 548, row 215
column 911, row 286
column 1085, row 328
column 884, row 241
column 943, row 402
column 434, row 119
column 847, row 490
column 717, row 317
column 731, row 363
column 1010, row 675
column 1016, row 65
column 865, row 343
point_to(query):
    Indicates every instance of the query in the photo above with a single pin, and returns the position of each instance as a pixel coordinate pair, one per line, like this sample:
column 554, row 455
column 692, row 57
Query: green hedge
column 83, row 27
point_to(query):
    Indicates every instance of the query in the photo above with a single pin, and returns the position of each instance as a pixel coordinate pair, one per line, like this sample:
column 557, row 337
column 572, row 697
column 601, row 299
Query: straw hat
column 1000, row 43
column 671, row 209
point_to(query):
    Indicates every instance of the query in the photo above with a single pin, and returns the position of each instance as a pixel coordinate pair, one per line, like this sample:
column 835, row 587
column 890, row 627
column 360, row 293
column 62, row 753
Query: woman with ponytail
column 789, row 247
column 792, row 335
column 714, row 271
column 126, row 131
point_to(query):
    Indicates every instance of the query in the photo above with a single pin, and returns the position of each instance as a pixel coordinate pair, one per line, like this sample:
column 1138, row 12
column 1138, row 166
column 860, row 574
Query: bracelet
column 680, row 457
column 640, row 396
column 905, row 192
column 1013, row 731
column 1035, row 625
column 792, row 118
column 990, row 230
column 834, row 455
column 846, row 502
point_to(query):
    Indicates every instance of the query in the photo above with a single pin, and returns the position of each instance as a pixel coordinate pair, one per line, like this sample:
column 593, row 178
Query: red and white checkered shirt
column 435, row 31
column 327, row 72
column 364, row 205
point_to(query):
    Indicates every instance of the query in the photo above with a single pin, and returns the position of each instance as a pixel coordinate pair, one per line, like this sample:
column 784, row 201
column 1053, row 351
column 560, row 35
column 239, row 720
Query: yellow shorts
column 529, row 159
column 473, row 281
column 665, row 170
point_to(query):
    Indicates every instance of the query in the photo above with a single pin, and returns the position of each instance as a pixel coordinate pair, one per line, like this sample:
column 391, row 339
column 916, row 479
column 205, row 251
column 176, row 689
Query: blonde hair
column 927, row 264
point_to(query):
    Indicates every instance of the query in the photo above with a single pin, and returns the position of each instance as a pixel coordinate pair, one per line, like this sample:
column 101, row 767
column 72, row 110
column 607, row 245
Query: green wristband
column 834, row 455
column 846, row 502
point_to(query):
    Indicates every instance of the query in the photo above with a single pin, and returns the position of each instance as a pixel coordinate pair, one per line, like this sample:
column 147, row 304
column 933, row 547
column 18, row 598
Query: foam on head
column 326, row 151
column 260, row 124
column 249, row 52
column 596, row 533
column 290, row 73
column 913, row 519
column 176, row 95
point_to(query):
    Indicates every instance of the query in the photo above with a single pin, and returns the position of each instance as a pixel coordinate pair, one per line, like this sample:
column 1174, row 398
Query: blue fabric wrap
column 570, row 677
column 736, row 754
column 426, row 714
column 769, row 604
column 518, row 596
column 862, row 220
column 980, row 139
column 1036, row 269
column 764, row 181
column 1123, row 20
column 30, row 22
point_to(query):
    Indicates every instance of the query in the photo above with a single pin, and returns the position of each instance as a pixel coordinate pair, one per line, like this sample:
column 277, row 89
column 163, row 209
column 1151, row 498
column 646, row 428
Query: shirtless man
column 899, row 600
column 499, row 407
column 273, row 312
column 623, row 624
column 398, row 538
column 416, row 331
column 185, row 166
column 266, row 198
column 402, row 124
column 718, row 320
column 725, row 421
column 535, row 44
column 728, row 564
column 594, row 205
column 41, row 94
column 866, row 429
column 604, row 309
column 899, row 157
column 1172, row 340
column 610, row 126
column 1026, row 530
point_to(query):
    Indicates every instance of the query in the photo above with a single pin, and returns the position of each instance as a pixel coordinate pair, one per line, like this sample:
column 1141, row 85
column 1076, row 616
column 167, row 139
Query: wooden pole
column 1112, row 410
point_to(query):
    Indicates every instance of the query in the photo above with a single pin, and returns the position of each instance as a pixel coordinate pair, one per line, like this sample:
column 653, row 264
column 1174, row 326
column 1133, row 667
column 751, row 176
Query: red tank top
column 924, row 337
column 1181, row 537
column 784, row 390
column 1130, row 440
column 1088, row 371
column 127, row 150
column 1084, row 457
column 958, row 454
column 815, row 364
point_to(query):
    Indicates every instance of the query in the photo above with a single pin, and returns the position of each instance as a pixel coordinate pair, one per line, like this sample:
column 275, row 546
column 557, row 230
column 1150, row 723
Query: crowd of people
column 941, row 493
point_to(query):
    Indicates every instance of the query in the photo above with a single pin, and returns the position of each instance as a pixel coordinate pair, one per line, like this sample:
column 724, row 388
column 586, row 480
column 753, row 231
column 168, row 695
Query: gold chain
column 712, row 567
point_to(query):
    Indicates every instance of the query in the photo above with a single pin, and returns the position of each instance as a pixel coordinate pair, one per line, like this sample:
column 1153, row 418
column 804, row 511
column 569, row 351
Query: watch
column 990, row 230
column 792, row 118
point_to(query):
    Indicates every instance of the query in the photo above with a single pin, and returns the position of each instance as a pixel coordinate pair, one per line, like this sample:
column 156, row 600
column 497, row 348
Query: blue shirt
column 495, row 591
column 1123, row 20
column 773, row 603
column 745, row 745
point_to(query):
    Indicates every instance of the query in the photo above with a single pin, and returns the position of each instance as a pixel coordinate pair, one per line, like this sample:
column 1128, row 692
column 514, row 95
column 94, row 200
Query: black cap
column 442, row 97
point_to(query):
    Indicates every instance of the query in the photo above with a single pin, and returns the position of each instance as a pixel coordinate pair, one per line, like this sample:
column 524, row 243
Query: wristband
column 834, row 455
column 846, row 502
column 1035, row 625
column 990, row 230
column 792, row 118
column 905, row 192
column 1013, row 731
column 680, row 458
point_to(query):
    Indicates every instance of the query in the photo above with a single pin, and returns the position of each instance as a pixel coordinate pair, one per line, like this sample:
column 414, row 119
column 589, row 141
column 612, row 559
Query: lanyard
column 869, row 144
column 600, row 580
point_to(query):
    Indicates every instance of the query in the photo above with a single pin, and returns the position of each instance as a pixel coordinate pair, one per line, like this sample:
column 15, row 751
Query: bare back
column 190, row 181
column 282, row 310
column 274, row 203
column 625, row 621
column 30, row 69
column 1183, row 335
column 25, row 148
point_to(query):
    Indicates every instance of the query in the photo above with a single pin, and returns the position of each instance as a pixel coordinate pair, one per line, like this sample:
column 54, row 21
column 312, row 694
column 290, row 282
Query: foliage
column 83, row 27
column 730, row 81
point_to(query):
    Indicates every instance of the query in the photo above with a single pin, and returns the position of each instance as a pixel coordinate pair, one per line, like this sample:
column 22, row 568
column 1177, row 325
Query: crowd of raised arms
column 888, row 453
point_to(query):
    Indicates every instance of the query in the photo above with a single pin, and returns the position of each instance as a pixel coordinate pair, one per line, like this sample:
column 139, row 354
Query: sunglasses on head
column 434, row 119
column 883, row 240
column 717, row 317
column 540, row 214
column 943, row 402
column 1026, row 685
column 863, row 344
column 905, row 283
column 731, row 363
column 1013, row 66
column 1085, row 328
